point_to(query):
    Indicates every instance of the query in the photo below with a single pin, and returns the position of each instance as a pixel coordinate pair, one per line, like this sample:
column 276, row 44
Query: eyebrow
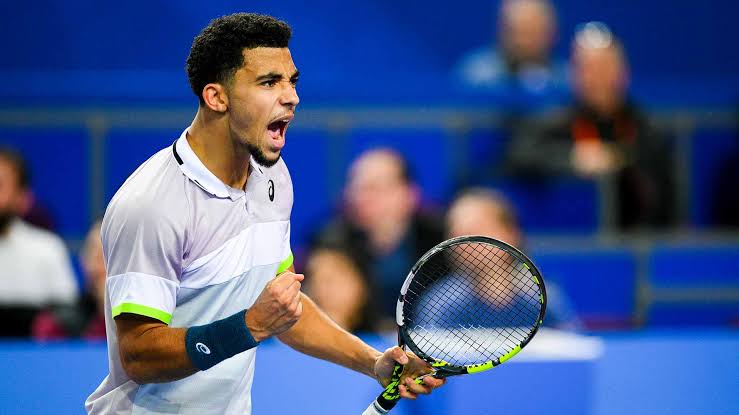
column 276, row 76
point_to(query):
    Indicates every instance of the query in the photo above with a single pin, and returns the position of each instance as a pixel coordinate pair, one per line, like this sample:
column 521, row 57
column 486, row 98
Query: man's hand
column 413, row 368
column 277, row 308
column 593, row 158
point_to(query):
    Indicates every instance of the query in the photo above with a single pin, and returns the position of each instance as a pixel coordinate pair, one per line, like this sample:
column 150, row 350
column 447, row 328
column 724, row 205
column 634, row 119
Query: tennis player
column 197, row 245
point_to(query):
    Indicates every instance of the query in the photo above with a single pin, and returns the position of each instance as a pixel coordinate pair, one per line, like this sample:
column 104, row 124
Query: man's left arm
column 315, row 334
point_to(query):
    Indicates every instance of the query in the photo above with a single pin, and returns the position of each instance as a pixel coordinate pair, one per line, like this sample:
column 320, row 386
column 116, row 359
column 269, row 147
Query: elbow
column 134, row 368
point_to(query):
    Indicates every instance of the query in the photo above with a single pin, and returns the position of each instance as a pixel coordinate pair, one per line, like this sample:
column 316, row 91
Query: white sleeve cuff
column 142, row 294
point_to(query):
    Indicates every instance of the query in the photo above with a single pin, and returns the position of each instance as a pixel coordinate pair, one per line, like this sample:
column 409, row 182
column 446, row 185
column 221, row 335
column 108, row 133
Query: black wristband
column 213, row 343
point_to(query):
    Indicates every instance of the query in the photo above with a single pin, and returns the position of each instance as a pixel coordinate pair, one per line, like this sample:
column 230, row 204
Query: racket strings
column 472, row 303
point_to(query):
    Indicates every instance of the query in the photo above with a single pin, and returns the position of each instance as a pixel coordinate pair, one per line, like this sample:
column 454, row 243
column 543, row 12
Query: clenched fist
column 277, row 308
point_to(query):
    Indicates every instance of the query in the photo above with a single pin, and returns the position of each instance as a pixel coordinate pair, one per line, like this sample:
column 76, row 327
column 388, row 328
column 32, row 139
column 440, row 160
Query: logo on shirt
column 202, row 348
column 271, row 191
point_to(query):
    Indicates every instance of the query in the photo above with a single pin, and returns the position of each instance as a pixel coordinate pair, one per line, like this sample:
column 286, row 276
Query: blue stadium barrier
column 704, row 313
column 289, row 383
column 58, row 160
column 712, row 269
column 647, row 372
column 694, row 266
column 600, row 283
column 393, row 52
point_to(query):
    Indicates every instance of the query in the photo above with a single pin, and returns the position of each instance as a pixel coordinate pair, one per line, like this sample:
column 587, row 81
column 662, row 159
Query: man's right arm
column 152, row 352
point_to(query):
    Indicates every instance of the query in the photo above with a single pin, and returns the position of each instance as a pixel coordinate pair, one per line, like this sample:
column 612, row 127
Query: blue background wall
column 381, row 51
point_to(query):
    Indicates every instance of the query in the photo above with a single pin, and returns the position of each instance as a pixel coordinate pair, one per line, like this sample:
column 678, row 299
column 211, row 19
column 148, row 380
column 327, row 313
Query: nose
column 289, row 96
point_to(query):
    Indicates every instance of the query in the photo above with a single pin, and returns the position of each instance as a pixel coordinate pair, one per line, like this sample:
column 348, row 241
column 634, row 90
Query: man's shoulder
column 155, row 190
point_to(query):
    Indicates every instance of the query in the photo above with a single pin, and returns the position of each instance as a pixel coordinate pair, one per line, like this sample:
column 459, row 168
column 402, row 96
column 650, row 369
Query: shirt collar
column 194, row 169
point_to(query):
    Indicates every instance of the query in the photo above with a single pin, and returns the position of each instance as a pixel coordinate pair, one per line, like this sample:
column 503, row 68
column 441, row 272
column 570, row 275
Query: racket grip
column 374, row 409
column 387, row 399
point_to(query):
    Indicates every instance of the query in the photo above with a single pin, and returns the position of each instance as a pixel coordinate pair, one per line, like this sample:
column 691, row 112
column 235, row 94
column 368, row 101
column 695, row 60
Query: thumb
column 399, row 355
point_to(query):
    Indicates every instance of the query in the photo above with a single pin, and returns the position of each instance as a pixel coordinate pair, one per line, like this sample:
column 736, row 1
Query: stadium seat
column 600, row 283
column 694, row 285
column 485, row 153
column 561, row 205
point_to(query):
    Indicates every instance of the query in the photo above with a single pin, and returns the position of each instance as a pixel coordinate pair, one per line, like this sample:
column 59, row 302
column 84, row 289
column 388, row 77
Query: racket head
column 470, row 304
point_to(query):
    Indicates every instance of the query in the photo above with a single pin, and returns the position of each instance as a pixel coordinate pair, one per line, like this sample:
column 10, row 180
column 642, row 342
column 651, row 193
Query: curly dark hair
column 216, row 53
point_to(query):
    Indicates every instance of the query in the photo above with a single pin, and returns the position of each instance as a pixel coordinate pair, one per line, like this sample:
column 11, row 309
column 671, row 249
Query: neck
column 211, row 139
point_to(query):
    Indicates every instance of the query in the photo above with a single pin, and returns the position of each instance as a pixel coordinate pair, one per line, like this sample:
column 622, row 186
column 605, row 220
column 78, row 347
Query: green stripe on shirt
column 284, row 265
column 142, row 310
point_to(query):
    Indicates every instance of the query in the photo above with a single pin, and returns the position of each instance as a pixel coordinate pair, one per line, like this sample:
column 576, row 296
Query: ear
column 215, row 97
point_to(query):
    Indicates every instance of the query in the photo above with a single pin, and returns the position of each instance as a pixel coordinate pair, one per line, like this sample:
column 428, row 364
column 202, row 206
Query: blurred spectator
column 86, row 318
column 479, row 211
column 381, row 226
column 336, row 283
column 602, row 134
column 521, row 68
column 35, row 270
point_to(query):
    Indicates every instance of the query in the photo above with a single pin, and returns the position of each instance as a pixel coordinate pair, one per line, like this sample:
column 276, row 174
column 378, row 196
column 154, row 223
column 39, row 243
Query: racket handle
column 374, row 409
column 387, row 399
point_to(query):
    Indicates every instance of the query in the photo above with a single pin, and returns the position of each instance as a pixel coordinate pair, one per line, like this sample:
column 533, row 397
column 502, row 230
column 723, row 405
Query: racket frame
column 389, row 397
column 442, row 368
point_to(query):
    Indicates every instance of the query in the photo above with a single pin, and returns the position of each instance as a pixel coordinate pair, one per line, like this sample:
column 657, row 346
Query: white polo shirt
column 186, row 249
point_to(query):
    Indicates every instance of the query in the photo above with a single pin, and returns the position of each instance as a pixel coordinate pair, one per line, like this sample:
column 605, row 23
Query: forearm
column 315, row 334
column 152, row 352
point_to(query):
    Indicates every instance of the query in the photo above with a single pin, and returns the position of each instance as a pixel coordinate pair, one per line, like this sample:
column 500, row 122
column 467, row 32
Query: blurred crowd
column 566, row 118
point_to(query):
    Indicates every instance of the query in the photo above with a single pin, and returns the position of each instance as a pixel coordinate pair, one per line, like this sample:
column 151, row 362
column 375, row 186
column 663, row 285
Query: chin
column 266, row 161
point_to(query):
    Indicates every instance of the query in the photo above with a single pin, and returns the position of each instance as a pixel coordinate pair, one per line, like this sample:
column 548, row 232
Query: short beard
column 258, row 155
column 6, row 218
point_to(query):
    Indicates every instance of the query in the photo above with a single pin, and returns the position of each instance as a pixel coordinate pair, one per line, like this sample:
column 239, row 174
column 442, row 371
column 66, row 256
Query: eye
column 294, row 81
column 270, row 82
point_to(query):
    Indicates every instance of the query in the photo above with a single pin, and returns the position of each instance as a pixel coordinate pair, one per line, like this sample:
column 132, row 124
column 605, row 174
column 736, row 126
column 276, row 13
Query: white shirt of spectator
column 184, row 248
column 35, row 269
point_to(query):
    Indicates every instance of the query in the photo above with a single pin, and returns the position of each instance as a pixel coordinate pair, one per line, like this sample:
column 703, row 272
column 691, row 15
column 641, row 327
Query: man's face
column 527, row 31
column 600, row 76
column 10, row 191
column 376, row 193
column 474, row 216
column 262, row 101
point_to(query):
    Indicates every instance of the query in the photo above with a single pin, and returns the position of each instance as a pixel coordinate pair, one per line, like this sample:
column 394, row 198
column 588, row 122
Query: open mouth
column 277, row 128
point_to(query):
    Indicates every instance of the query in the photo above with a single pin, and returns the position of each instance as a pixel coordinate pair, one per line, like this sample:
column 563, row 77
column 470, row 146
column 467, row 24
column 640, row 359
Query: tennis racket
column 467, row 305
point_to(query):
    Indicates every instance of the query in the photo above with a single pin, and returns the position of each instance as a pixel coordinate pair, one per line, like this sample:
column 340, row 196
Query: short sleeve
column 143, row 246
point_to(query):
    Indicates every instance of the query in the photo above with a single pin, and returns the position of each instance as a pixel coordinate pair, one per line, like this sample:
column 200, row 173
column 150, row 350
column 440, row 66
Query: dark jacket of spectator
column 385, row 272
column 643, row 177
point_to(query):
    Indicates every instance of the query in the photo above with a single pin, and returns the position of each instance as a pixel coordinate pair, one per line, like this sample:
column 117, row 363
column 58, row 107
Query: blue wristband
column 213, row 343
